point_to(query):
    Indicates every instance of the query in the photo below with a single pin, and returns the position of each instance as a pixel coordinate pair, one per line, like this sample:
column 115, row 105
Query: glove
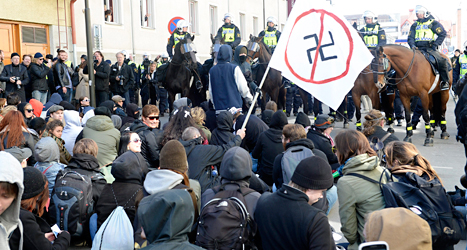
column 434, row 47
column 258, row 90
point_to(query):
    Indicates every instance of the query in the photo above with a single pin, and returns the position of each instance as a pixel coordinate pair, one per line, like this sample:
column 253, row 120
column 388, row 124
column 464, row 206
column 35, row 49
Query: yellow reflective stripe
column 284, row 111
column 427, row 126
column 359, row 124
column 315, row 118
column 423, row 32
column 371, row 37
column 463, row 65
column 409, row 128
column 270, row 38
column 389, row 118
column 432, row 121
column 345, row 112
column 229, row 34
column 443, row 122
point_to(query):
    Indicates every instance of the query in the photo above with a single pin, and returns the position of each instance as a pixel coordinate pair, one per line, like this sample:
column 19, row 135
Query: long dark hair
column 124, row 141
column 177, row 124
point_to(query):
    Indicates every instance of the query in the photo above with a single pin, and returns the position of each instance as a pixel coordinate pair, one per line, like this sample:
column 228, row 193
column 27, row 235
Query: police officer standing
column 271, row 35
column 422, row 37
column 179, row 34
column 460, row 66
column 229, row 32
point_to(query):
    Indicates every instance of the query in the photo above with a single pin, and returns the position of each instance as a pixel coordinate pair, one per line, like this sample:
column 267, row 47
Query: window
column 34, row 35
column 242, row 26
column 194, row 16
column 147, row 17
column 213, row 16
column 112, row 11
column 255, row 26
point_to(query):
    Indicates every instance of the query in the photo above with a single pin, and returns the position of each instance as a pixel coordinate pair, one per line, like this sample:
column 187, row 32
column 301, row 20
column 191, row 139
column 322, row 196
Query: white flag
column 320, row 52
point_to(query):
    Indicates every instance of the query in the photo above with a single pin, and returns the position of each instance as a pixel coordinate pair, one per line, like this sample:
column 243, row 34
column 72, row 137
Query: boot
column 444, row 86
column 390, row 90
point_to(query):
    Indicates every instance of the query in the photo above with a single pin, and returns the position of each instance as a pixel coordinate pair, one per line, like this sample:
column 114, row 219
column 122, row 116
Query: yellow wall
column 34, row 11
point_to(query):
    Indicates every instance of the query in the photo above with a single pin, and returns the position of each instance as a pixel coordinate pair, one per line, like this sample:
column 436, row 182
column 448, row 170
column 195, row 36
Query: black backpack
column 427, row 199
column 224, row 222
column 75, row 80
column 71, row 203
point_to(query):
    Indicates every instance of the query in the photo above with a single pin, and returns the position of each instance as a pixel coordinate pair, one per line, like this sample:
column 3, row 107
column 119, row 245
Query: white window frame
column 214, row 19
column 242, row 25
column 255, row 25
column 147, row 7
column 116, row 11
column 193, row 16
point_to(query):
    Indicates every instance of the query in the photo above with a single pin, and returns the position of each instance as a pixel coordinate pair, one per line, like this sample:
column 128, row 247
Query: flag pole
column 255, row 98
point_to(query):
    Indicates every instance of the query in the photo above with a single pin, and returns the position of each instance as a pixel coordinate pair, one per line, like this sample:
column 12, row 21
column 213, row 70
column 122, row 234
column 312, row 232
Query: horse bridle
column 408, row 70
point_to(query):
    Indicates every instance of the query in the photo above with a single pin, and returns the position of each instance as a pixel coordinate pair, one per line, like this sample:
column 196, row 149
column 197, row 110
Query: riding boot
column 444, row 86
column 390, row 90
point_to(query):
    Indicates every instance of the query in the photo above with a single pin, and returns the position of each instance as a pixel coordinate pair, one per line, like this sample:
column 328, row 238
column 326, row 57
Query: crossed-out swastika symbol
column 321, row 53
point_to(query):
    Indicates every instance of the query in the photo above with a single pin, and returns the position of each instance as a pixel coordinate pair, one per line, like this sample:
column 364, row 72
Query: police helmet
column 182, row 24
column 369, row 14
column 165, row 55
column 421, row 9
column 273, row 20
column 228, row 16
column 125, row 53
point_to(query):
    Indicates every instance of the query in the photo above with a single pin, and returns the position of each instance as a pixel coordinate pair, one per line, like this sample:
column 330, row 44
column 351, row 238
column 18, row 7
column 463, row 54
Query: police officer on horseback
column 229, row 32
column 270, row 35
column 179, row 34
column 422, row 37
column 373, row 34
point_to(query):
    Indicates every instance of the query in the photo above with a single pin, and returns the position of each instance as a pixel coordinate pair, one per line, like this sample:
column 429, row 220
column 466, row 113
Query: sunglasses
column 85, row 100
column 41, row 59
column 153, row 117
column 29, row 110
column 136, row 140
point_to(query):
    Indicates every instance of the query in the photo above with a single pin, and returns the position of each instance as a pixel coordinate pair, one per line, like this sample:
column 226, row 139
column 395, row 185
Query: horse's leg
column 408, row 116
column 443, row 101
column 388, row 108
column 281, row 98
column 428, row 130
column 358, row 113
column 171, row 101
column 346, row 116
column 304, row 96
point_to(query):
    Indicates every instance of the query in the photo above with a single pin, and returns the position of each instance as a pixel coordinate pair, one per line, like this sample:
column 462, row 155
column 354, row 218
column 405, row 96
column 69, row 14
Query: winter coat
column 38, row 77
column 358, row 197
column 72, row 129
column 37, row 106
column 47, row 156
column 237, row 34
column 101, row 129
column 130, row 116
column 83, row 87
column 150, row 142
column 323, row 143
column 129, row 171
column 277, row 166
column 65, row 156
column 166, row 218
column 10, row 218
column 201, row 158
column 88, row 165
column 266, row 116
column 54, row 99
column 254, row 128
column 245, row 67
column 34, row 229
column 269, row 145
column 286, row 221
column 223, row 133
column 380, row 133
column 101, row 76
column 62, row 75
column 128, row 82
column 17, row 71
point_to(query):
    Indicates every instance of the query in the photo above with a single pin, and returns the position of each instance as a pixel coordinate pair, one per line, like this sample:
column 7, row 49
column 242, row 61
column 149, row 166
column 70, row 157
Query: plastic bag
column 116, row 233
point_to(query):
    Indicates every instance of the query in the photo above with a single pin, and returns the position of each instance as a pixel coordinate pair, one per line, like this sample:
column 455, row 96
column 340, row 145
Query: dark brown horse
column 273, row 83
column 178, row 74
column 414, row 77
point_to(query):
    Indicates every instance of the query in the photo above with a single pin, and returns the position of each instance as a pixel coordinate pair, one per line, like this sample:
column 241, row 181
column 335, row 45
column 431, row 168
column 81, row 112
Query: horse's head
column 216, row 45
column 380, row 66
column 188, row 49
column 253, row 47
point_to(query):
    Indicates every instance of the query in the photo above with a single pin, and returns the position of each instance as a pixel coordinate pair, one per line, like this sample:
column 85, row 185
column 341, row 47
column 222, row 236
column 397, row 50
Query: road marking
column 442, row 167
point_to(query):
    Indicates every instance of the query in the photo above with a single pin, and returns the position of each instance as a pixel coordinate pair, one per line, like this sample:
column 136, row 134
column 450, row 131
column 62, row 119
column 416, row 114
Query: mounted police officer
column 422, row 36
column 373, row 34
column 229, row 32
column 179, row 34
column 271, row 35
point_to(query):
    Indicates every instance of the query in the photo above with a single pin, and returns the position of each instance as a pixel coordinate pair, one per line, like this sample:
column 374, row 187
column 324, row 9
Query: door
column 7, row 43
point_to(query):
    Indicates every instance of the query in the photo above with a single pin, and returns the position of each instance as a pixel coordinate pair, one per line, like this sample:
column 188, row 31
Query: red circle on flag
column 351, row 47
column 173, row 24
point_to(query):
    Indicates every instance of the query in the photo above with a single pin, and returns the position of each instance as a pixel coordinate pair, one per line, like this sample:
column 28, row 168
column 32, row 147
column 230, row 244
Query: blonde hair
column 198, row 115
column 35, row 60
column 372, row 119
column 271, row 105
column 406, row 153
column 86, row 146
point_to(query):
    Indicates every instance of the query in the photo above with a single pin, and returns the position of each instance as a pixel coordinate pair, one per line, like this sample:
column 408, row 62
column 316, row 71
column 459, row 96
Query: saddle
column 434, row 62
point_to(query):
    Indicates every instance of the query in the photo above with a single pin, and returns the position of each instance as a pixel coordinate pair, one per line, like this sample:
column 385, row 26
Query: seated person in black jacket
column 373, row 127
column 320, row 134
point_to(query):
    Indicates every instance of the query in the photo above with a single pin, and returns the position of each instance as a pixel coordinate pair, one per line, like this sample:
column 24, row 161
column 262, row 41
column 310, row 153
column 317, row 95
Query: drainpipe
column 132, row 31
column 73, row 30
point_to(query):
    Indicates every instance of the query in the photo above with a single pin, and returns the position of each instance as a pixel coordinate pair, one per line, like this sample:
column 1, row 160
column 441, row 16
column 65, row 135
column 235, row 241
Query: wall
column 33, row 11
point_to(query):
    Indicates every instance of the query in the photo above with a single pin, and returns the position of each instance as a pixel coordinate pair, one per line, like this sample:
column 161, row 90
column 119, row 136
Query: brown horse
column 273, row 83
column 414, row 77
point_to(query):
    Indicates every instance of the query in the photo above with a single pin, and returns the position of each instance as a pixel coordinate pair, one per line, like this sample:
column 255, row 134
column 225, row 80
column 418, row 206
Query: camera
column 17, row 78
column 122, row 78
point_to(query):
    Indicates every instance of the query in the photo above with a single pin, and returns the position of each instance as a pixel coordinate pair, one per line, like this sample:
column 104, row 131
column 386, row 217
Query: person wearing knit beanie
column 313, row 173
column 173, row 156
column 34, row 182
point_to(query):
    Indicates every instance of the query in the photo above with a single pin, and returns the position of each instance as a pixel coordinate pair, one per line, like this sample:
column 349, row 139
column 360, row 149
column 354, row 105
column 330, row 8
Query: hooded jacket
column 266, row 116
column 201, row 157
column 269, row 145
column 254, row 128
column 37, row 106
column 166, row 218
column 47, row 155
column 9, row 219
column 323, row 143
column 303, row 120
column 150, row 142
column 223, row 133
column 245, row 67
column 129, row 171
column 358, row 197
column 55, row 99
column 227, row 85
column 72, row 129
column 20, row 108
column 130, row 117
column 88, row 165
column 101, row 129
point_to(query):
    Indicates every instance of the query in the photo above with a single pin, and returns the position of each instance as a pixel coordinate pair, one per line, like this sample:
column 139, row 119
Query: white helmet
column 272, row 19
column 228, row 16
column 125, row 53
column 182, row 24
column 165, row 55
column 421, row 9
column 369, row 14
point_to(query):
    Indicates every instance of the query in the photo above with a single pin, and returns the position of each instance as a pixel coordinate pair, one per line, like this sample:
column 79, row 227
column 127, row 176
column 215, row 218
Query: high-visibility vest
column 463, row 65
column 423, row 32
column 371, row 36
column 178, row 37
column 228, row 34
column 270, row 38
column 68, row 63
column 159, row 63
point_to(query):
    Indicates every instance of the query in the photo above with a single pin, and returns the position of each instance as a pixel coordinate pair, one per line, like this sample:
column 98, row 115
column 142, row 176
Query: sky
column 444, row 9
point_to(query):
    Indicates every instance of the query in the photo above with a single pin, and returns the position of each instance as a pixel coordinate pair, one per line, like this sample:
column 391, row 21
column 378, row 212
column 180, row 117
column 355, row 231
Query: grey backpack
column 292, row 156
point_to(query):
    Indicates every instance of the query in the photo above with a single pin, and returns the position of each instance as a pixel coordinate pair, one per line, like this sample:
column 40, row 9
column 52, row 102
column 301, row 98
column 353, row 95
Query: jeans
column 255, row 164
column 101, row 96
column 331, row 195
column 65, row 96
column 93, row 225
column 40, row 96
